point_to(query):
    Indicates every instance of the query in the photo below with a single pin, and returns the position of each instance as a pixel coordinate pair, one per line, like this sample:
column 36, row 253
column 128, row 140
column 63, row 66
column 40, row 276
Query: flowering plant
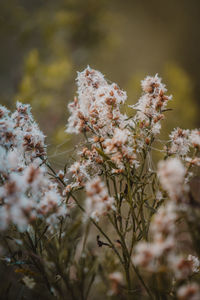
column 110, row 222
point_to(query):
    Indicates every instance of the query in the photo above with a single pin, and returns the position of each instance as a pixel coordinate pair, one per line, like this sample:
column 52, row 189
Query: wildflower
column 182, row 267
column 120, row 148
column 97, row 107
column 179, row 141
column 151, row 105
column 116, row 279
column 189, row 291
column 195, row 263
column 144, row 256
column 194, row 138
column 159, row 195
column 61, row 174
column 98, row 202
column 7, row 134
column 171, row 174
column 26, row 191
column 163, row 229
column 79, row 172
column 30, row 139
column 149, row 84
column 193, row 161
column 164, row 220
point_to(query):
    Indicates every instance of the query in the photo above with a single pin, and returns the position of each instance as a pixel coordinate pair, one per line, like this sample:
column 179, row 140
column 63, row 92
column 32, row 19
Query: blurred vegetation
column 44, row 44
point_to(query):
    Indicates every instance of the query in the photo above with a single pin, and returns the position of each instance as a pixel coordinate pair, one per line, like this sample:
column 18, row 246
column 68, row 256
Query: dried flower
column 98, row 202
column 171, row 174
column 189, row 291
column 116, row 279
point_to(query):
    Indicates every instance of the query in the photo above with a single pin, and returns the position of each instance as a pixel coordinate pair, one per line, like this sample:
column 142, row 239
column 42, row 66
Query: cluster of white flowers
column 97, row 110
column 164, row 239
column 182, row 140
column 151, row 105
column 190, row 291
column 163, row 250
column 164, row 246
column 171, row 173
column 195, row 138
column 98, row 202
column 179, row 141
column 119, row 147
column 116, row 280
column 97, row 105
column 26, row 191
column 83, row 170
column 195, row 263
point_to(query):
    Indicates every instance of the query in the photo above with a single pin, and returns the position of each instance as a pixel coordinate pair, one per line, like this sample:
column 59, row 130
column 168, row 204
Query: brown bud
column 96, row 139
column 147, row 141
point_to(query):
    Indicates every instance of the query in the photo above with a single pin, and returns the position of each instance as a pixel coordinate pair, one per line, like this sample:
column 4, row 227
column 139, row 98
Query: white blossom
column 190, row 291
column 98, row 202
column 195, row 263
column 171, row 173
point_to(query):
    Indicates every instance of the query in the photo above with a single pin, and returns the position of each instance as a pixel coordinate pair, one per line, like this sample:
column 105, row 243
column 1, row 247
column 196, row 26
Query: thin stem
column 99, row 228
column 142, row 281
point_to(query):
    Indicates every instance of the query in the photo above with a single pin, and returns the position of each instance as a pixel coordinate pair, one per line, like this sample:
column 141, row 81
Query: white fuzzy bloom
column 193, row 161
column 159, row 195
column 98, row 202
column 121, row 148
column 164, row 220
column 190, row 291
column 195, row 263
column 79, row 172
column 7, row 133
column 116, row 280
column 150, row 83
column 117, row 277
column 194, row 137
column 26, row 191
column 4, row 165
column 163, row 244
column 180, row 143
column 97, row 105
column 151, row 104
column 147, row 254
column 171, row 173
column 144, row 256
column 120, row 136
column 183, row 268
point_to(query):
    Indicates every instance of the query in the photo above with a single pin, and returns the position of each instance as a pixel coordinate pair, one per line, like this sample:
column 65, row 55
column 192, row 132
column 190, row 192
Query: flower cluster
column 98, row 202
column 172, row 174
column 96, row 110
column 148, row 215
column 190, row 291
column 163, row 250
column 26, row 191
column 151, row 105
column 182, row 141
column 164, row 232
column 97, row 105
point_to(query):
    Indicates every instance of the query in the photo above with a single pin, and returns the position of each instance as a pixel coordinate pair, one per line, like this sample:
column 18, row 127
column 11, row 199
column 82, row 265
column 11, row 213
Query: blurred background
column 44, row 43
